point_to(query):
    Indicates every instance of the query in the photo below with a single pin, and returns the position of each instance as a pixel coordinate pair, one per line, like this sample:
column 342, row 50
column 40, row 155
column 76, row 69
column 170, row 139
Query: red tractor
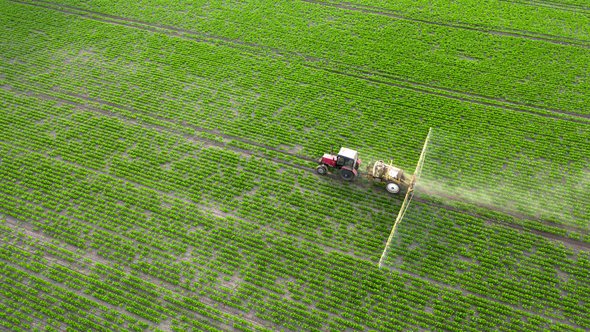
column 347, row 161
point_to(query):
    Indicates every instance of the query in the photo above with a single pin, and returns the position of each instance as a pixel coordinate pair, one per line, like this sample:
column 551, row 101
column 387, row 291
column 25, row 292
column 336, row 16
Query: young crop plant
column 157, row 165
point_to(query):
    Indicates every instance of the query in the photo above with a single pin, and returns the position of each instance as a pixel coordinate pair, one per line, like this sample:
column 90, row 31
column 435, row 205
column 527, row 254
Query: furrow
column 493, row 31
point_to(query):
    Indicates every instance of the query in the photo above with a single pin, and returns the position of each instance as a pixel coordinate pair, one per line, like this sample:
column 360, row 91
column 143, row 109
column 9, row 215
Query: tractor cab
column 346, row 161
column 348, row 158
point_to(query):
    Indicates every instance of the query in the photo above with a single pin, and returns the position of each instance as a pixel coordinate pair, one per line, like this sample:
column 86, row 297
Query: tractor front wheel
column 346, row 174
column 321, row 170
column 392, row 188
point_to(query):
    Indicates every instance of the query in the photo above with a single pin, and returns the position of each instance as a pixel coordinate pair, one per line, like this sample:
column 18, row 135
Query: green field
column 157, row 165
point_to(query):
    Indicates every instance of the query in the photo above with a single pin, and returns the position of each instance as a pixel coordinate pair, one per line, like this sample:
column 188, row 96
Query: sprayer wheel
column 392, row 188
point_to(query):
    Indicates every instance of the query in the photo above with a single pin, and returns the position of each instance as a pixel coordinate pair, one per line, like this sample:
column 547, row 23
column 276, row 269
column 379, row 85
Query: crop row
column 215, row 157
column 203, row 172
column 326, row 278
column 525, row 71
column 74, row 136
column 460, row 147
column 293, row 251
column 503, row 215
column 136, row 296
column 514, row 267
column 41, row 299
column 563, row 20
column 222, row 238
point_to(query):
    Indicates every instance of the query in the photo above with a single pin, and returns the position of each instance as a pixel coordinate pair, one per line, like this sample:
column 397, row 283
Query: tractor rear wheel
column 346, row 174
column 321, row 170
column 392, row 188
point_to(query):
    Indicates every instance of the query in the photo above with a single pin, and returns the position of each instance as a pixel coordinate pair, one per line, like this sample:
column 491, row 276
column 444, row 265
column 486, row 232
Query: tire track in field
column 19, row 226
column 330, row 247
column 366, row 75
column 420, row 87
column 230, row 41
column 326, row 248
column 553, row 5
column 348, row 254
column 206, row 141
column 241, row 151
column 58, row 301
column 133, row 23
column 54, row 260
column 151, row 279
column 576, row 245
column 361, row 184
column 45, row 96
column 344, row 93
column 225, row 145
column 391, row 268
column 471, row 27
column 467, row 293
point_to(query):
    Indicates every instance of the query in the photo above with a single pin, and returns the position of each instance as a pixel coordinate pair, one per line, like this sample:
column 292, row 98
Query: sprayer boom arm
column 408, row 198
column 418, row 170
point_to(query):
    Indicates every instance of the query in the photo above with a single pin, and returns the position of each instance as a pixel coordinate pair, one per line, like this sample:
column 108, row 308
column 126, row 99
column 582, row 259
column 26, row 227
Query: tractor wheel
column 321, row 170
column 346, row 174
column 392, row 188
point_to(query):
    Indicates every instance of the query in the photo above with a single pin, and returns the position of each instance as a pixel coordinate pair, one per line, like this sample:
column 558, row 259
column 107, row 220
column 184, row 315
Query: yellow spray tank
column 394, row 177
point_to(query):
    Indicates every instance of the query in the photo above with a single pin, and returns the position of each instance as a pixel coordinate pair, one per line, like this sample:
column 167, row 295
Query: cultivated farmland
column 157, row 165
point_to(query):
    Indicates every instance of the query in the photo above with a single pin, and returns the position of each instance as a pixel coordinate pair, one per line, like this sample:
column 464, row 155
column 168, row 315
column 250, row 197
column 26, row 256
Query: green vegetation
column 156, row 165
